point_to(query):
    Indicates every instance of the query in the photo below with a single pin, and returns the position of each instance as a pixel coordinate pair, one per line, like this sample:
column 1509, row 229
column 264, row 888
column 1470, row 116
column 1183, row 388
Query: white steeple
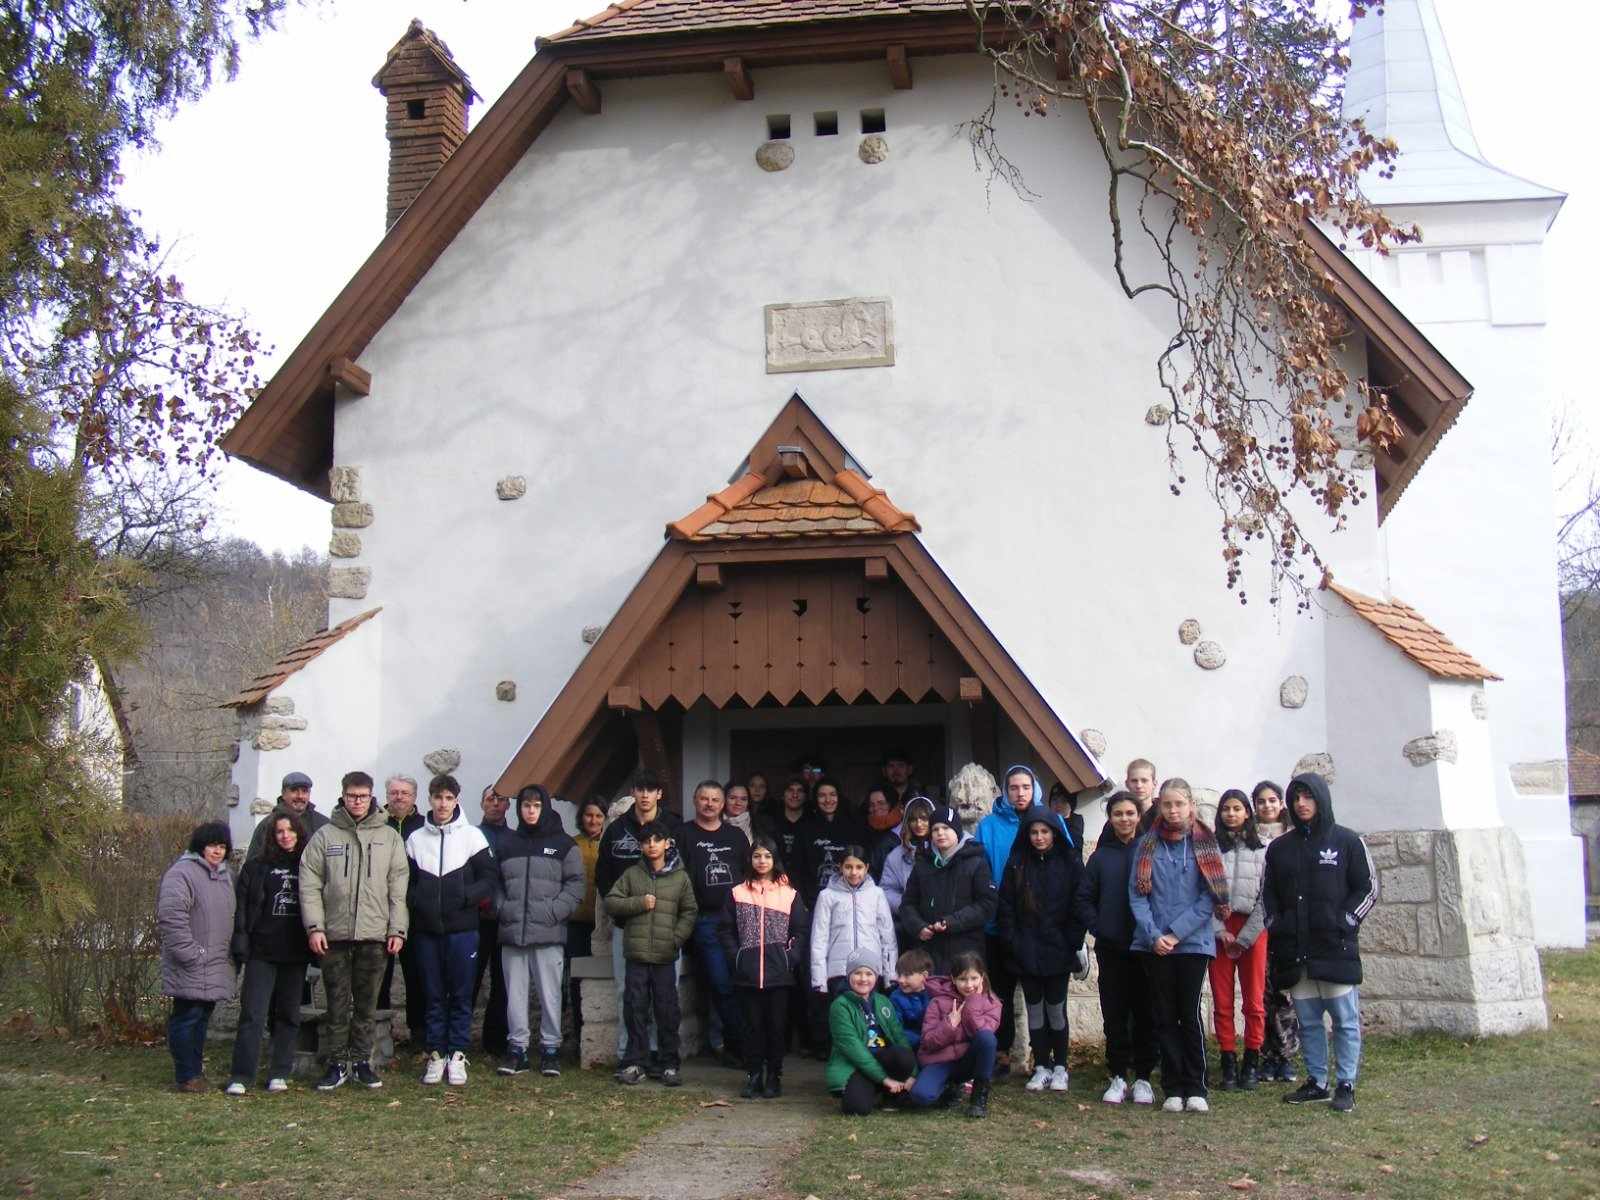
column 1402, row 81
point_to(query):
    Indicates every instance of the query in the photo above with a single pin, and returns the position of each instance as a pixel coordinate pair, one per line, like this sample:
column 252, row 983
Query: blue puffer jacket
column 997, row 832
column 1179, row 902
column 910, row 1007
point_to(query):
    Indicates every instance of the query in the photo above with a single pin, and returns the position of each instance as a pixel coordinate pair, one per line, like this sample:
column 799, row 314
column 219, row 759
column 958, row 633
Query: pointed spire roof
column 1403, row 83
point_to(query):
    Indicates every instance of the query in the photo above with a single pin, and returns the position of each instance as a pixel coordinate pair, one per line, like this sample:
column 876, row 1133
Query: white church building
column 702, row 408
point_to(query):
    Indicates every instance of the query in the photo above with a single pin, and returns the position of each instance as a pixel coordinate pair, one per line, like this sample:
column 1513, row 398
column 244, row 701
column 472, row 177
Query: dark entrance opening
column 853, row 754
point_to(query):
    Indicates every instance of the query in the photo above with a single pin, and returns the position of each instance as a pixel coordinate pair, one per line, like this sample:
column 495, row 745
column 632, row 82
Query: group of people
column 887, row 939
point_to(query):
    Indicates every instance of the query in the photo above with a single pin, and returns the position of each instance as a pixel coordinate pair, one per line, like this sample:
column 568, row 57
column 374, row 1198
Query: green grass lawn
column 1435, row 1117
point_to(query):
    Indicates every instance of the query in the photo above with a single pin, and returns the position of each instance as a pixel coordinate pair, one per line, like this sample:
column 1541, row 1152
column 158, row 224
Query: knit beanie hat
column 859, row 959
column 945, row 816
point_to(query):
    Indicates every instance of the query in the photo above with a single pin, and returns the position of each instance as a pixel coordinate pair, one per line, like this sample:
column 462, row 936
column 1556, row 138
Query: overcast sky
column 271, row 189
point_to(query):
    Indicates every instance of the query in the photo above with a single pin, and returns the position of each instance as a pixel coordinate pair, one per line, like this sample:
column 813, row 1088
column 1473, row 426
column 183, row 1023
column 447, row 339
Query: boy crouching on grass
column 654, row 904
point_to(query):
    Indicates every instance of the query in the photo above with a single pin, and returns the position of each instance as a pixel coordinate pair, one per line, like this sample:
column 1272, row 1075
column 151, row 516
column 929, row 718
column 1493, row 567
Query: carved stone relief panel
column 826, row 335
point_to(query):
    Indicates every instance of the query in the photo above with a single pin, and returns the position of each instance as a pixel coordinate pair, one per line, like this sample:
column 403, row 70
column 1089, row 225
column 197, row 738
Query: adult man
column 1319, row 887
column 996, row 833
column 898, row 782
column 294, row 798
column 400, row 810
column 353, row 878
column 493, row 825
column 715, row 855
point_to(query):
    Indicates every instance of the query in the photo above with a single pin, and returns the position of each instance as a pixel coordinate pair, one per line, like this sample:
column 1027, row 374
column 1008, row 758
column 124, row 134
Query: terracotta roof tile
column 259, row 688
column 1583, row 773
column 1406, row 628
column 628, row 18
column 753, row 506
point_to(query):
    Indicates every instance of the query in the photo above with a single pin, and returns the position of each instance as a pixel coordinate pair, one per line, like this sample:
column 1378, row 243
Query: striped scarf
column 1206, row 856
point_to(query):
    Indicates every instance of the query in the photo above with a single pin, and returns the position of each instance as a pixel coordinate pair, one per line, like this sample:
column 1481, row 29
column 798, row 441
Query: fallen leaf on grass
column 394, row 1104
column 1083, row 1108
column 1242, row 1184
column 290, row 1125
column 1041, row 1124
column 851, row 1138
column 852, row 1178
column 1551, row 1156
column 1386, row 1168
column 715, row 1104
column 1478, row 1139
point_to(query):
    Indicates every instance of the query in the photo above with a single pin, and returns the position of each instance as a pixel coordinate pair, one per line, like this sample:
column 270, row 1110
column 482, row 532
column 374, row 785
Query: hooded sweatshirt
column 896, row 870
column 943, row 1042
column 619, row 848
column 958, row 891
column 821, row 850
column 541, row 883
column 452, row 872
column 998, row 831
column 1319, row 887
column 1038, row 916
column 851, row 919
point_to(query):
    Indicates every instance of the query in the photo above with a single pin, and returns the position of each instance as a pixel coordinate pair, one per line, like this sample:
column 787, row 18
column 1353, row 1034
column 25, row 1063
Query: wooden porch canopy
column 798, row 582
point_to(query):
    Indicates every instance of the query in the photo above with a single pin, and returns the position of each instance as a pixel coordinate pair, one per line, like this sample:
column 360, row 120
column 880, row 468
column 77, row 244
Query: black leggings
column 1046, row 996
column 860, row 1095
column 766, row 1020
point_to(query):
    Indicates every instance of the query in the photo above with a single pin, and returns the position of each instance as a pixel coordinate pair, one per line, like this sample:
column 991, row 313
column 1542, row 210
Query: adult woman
column 270, row 939
column 883, row 830
column 823, row 839
column 580, row 926
column 896, row 870
column 950, row 896
column 1282, row 1043
column 1178, row 885
column 194, row 911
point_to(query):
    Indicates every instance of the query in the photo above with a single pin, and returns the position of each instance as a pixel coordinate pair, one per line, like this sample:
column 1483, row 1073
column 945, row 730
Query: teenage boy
column 495, row 830
column 654, row 903
column 714, row 855
column 541, row 885
column 400, row 810
column 353, row 904
column 1140, row 783
column 452, row 873
column 786, row 825
column 294, row 799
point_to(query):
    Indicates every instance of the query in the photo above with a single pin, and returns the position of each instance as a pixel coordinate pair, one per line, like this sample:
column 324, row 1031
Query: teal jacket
column 847, row 1025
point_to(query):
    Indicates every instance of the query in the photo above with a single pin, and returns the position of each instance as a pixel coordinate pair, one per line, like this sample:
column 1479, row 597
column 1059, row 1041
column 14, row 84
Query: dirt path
column 719, row 1152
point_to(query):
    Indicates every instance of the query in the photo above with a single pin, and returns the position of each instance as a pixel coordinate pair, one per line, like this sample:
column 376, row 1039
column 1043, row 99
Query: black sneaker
column 336, row 1076
column 1310, row 1092
column 514, row 1063
column 671, row 1078
column 549, row 1063
column 1344, row 1097
column 366, row 1076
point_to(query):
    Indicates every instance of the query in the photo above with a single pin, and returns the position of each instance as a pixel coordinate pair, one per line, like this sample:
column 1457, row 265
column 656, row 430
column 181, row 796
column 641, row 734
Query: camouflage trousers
column 352, row 973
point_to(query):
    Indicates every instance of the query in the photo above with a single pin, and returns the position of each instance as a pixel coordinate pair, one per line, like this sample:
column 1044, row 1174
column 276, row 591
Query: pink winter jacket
column 940, row 1042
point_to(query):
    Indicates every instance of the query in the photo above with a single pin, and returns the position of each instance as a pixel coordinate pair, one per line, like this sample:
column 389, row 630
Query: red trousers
column 1252, row 968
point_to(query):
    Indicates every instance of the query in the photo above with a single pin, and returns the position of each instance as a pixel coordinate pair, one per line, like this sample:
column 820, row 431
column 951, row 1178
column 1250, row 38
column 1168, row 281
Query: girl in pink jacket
column 958, row 1037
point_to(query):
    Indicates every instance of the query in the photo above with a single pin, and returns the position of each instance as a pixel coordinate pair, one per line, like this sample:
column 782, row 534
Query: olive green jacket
column 353, row 879
column 653, row 936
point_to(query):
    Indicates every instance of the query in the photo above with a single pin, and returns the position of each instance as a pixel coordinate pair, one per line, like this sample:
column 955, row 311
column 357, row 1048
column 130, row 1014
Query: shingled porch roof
column 1419, row 641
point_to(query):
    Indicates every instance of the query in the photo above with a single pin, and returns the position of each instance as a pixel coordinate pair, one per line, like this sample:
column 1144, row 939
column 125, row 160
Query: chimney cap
column 416, row 46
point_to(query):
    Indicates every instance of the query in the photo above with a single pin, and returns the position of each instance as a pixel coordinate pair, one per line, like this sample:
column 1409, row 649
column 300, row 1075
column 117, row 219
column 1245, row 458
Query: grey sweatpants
column 522, row 963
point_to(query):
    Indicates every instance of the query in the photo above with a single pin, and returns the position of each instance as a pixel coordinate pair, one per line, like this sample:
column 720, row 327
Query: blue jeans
column 448, row 963
column 186, row 1035
column 713, row 960
column 977, row 1064
column 1346, row 1014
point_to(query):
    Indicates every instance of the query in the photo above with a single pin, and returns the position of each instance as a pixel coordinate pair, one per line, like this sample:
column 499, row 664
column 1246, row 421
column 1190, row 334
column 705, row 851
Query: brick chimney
column 428, row 97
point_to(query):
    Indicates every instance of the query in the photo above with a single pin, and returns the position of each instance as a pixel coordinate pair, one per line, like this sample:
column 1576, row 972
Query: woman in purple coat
column 194, row 911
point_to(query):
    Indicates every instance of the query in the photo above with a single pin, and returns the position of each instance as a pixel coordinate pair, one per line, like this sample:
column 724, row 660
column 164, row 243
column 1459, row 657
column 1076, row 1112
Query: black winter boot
column 752, row 1085
column 1230, row 1071
column 774, row 1087
column 978, row 1106
column 1250, row 1072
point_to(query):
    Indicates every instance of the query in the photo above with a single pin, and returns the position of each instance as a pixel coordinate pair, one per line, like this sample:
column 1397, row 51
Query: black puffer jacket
column 1038, row 915
column 958, row 891
column 1319, row 888
column 1103, row 907
column 541, row 883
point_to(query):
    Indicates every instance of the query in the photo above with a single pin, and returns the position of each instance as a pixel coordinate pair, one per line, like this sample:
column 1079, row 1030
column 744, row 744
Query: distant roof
column 1401, row 80
column 1406, row 628
column 1583, row 773
column 259, row 688
column 630, row 17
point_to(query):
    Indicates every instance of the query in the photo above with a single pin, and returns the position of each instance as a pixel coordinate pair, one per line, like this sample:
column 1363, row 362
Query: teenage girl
column 1039, row 924
column 763, row 932
column 958, row 1037
column 1241, row 941
column 1281, row 1048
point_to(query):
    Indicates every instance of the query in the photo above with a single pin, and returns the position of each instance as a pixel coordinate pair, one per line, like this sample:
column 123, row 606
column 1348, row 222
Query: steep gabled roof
column 1419, row 641
column 631, row 18
column 263, row 685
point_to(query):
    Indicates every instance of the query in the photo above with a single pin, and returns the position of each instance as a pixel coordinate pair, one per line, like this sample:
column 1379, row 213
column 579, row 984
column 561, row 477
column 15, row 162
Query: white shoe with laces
column 456, row 1070
column 277, row 1085
column 433, row 1072
column 1143, row 1093
column 234, row 1089
column 1041, row 1077
column 1058, row 1080
column 1117, row 1092
column 1197, row 1104
column 1172, row 1104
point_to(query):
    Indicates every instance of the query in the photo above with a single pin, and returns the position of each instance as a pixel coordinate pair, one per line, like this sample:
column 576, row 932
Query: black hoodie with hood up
column 1319, row 887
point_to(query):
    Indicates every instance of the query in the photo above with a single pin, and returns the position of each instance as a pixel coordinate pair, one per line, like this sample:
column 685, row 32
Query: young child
column 1241, row 942
column 763, row 932
column 870, row 1053
column 851, row 917
column 654, row 904
column 1281, row 1046
column 1040, row 926
column 1124, row 991
column 958, row 1037
column 909, row 994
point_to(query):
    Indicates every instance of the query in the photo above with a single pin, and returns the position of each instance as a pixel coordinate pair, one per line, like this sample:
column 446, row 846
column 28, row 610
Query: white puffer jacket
column 848, row 920
column 1245, row 870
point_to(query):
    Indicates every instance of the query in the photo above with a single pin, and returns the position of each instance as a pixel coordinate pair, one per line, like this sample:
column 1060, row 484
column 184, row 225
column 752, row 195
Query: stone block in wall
column 272, row 739
column 512, row 487
column 349, row 583
column 506, row 690
column 1414, row 846
column 1292, row 692
column 597, row 1046
column 1411, row 977
column 443, row 761
column 352, row 515
column 600, row 1001
column 1438, row 746
column 275, row 721
column 1381, row 849
column 1406, row 885
column 1315, row 764
column 279, row 705
column 1391, row 929
column 1540, row 778
column 260, row 806
column 344, row 485
column 345, row 543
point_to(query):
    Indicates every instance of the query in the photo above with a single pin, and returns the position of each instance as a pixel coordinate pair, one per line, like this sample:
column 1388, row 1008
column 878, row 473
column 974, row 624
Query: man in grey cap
column 294, row 800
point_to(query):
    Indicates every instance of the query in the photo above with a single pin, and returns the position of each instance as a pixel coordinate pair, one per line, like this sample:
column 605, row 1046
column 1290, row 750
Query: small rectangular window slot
column 873, row 120
column 777, row 126
column 827, row 123
column 416, row 109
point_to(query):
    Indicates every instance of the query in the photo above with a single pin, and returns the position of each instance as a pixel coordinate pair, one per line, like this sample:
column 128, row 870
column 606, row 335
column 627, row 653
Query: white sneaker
column 434, row 1071
column 1117, row 1092
column 277, row 1085
column 1143, row 1093
column 1058, row 1080
column 1197, row 1104
column 234, row 1089
column 456, row 1069
column 1041, row 1077
column 1172, row 1104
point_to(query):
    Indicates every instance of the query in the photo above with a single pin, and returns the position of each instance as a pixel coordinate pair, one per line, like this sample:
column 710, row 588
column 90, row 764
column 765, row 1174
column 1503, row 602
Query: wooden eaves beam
column 738, row 77
column 583, row 91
